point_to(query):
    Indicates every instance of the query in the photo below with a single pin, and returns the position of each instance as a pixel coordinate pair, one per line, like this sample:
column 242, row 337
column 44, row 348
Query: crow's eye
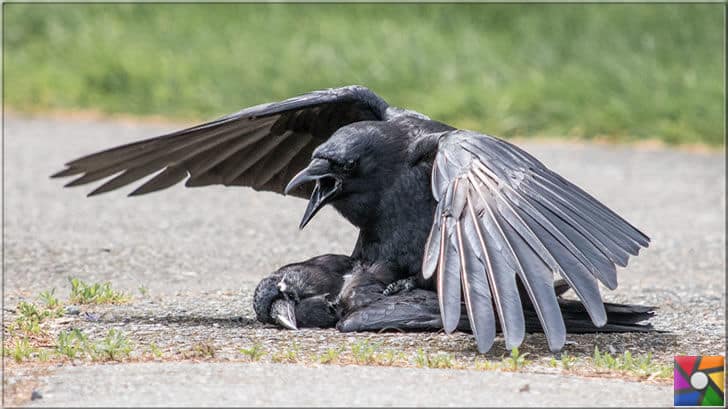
column 348, row 165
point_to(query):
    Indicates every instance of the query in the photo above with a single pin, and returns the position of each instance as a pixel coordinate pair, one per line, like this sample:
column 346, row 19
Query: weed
column 642, row 365
column 487, row 365
column 22, row 350
column 43, row 355
column 96, row 293
column 113, row 347
column 389, row 357
column 72, row 343
column 143, row 290
column 154, row 349
column 365, row 352
column 49, row 299
column 425, row 360
column 30, row 316
column 254, row 353
column 566, row 361
column 516, row 361
column 330, row 356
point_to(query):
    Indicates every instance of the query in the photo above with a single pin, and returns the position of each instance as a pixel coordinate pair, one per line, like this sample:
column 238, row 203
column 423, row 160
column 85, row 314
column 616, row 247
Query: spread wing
column 503, row 217
column 261, row 146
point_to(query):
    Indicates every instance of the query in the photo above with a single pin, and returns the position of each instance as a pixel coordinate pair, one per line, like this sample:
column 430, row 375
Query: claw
column 403, row 285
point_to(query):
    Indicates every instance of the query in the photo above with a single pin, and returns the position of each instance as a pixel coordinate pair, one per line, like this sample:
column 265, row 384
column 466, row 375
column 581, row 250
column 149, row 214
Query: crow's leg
column 301, row 294
column 365, row 285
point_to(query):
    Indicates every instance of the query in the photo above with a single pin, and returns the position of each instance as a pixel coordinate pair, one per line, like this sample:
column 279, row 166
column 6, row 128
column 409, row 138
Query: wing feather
column 478, row 299
column 514, row 221
column 251, row 147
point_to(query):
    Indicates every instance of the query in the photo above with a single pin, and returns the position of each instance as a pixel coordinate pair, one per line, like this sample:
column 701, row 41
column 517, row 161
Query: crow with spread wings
column 457, row 229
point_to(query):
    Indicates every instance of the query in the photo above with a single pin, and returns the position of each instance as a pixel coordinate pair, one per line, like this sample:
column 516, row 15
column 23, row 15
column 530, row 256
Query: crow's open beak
column 283, row 312
column 328, row 185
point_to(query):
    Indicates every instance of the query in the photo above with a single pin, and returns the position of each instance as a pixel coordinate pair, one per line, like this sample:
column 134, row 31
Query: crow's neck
column 395, row 228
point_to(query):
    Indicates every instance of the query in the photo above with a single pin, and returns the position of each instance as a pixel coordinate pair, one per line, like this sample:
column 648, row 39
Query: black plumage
column 472, row 216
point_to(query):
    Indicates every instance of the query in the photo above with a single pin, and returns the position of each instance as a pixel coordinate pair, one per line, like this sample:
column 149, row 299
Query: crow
column 465, row 214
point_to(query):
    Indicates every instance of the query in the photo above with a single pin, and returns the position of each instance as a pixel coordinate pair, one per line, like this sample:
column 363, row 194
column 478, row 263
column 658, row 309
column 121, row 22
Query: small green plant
column 364, row 352
column 389, row 357
column 487, row 365
column 516, row 361
column 642, row 365
column 72, row 343
column 22, row 350
column 49, row 299
column 143, row 290
column 154, row 349
column 289, row 355
column 425, row 360
column 28, row 325
column 331, row 356
column 96, row 293
column 253, row 353
column 566, row 361
column 421, row 358
column 30, row 316
column 114, row 346
column 43, row 355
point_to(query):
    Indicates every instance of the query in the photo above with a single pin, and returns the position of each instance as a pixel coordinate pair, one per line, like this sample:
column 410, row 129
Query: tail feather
column 620, row 318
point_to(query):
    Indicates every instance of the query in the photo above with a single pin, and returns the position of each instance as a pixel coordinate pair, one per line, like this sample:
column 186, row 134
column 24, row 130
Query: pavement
column 200, row 252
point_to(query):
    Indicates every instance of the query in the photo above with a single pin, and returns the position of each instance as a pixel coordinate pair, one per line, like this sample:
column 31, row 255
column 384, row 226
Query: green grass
column 254, row 353
column 331, row 356
column 31, row 315
column 95, row 293
column 365, row 352
column 642, row 365
column 115, row 346
column 442, row 360
column 22, row 350
column 516, row 361
column 617, row 71
column 72, row 344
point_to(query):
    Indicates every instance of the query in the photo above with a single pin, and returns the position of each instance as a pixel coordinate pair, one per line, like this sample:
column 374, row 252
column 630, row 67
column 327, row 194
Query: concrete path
column 205, row 384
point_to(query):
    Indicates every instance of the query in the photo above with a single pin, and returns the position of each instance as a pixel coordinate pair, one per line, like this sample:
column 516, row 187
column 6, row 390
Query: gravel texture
column 200, row 252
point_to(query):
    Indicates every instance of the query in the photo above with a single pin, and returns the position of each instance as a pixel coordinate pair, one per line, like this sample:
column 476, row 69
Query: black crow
column 468, row 214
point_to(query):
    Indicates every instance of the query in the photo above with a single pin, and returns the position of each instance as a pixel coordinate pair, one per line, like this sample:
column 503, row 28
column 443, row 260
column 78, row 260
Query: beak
column 283, row 312
column 328, row 185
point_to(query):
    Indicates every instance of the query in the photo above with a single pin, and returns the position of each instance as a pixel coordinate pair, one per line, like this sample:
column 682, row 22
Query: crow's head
column 352, row 168
column 302, row 294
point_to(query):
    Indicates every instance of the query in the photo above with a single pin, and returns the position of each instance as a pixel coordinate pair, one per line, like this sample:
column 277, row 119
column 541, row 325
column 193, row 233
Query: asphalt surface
column 199, row 242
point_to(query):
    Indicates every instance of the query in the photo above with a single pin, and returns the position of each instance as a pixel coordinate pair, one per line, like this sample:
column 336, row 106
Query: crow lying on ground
column 463, row 213
column 312, row 294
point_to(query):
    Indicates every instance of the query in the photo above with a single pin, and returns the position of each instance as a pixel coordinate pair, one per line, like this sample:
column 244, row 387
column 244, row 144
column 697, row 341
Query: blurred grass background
column 617, row 71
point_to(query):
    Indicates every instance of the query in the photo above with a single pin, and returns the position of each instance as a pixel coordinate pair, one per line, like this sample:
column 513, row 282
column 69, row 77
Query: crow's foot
column 403, row 285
